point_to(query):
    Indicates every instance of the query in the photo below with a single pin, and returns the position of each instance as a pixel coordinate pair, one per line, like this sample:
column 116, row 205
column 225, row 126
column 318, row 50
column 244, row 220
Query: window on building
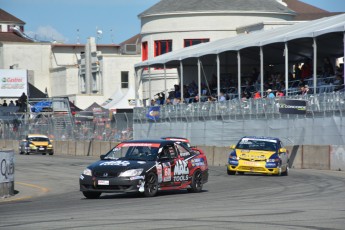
column 162, row 47
column 82, row 83
column 192, row 42
column 145, row 51
column 21, row 28
column 9, row 28
column 94, row 82
column 124, row 79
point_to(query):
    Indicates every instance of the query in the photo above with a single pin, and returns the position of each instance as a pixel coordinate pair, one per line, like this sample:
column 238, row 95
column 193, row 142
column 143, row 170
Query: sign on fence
column 293, row 106
column 6, row 166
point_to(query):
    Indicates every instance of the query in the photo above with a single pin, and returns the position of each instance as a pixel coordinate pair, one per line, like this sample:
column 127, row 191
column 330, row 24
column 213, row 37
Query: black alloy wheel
column 151, row 185
column 196, row 185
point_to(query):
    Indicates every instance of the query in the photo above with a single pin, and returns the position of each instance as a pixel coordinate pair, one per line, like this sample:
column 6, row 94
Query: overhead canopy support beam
column 315, row 65
column 181, row 83
column 199, row 79
column 286, row 53
column 165, row 83
column 149, row 70
column 239, row 74
column 218, row 77
column 261, row 71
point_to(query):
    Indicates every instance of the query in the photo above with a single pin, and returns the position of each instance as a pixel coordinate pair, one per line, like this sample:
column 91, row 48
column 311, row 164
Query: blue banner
column 153, row 113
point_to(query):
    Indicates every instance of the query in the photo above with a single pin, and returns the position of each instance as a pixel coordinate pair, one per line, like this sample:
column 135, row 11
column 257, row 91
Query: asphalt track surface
column 48, row 198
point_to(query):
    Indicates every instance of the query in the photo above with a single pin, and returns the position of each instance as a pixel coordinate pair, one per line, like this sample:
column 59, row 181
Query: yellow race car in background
column 36, row 143
column 265, row 155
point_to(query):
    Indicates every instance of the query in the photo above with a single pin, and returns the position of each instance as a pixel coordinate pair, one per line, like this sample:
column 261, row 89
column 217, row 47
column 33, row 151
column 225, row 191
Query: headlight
column 32, row 146
column 87, row 172
column 131, row 172
column 50, row 146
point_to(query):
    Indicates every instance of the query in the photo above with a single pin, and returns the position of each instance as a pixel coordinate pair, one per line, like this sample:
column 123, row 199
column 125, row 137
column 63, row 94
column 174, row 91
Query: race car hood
column 40, row 143
column 254, row 154
column 117, row 166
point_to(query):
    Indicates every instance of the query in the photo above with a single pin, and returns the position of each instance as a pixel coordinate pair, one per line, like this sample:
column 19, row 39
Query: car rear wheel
column 92, row 195
column 44, row 153
column 230, row 172
column 151, row 185
column 196, row 185
column 51, row 153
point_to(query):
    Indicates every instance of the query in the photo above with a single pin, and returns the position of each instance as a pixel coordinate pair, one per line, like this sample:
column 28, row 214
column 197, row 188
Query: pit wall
column 322, row 157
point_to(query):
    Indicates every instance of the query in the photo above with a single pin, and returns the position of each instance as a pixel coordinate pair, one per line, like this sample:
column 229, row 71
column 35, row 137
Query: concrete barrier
column 221, row 155
column 337, row 157
column 209, row 153
column 295, row 156
column 71, row 148
column 6, row 172
column 80, row 148
column 96, row 148
column 64, row 147
column 105, row 147
column 316, row 157
column 322, row 157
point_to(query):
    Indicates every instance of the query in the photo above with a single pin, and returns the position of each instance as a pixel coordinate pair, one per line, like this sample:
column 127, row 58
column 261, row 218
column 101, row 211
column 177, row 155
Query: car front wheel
column 151, row 185
column 196, row 185
column 230, row 172
column 92, row 195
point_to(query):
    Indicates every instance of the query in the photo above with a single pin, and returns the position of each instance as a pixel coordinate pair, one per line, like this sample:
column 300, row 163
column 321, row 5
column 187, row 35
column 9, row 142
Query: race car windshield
column 143, row 153
column 252, row 144
column 38, row 139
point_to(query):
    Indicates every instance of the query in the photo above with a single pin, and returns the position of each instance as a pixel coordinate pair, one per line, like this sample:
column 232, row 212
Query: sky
column 110, row 21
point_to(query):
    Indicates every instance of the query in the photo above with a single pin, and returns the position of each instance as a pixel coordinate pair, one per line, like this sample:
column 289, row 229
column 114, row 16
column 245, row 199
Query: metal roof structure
column 216, row 6
column 312, row 29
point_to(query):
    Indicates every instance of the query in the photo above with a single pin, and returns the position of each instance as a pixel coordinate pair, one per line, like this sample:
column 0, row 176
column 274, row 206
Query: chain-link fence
column 262, row 108
column 61, row 126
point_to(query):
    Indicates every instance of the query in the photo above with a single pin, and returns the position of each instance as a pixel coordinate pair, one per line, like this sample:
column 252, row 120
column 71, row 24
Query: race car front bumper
column 255, row 167
column 110, row 185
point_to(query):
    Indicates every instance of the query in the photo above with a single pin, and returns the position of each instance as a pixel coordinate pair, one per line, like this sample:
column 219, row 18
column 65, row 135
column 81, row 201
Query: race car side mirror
column 232, row 146
column 282, row 150
column 102, row 157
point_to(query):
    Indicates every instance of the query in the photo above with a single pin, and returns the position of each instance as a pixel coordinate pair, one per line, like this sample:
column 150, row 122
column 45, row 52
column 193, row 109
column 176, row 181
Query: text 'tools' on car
column 264, row 155
column 145, row 167
column 36, row 143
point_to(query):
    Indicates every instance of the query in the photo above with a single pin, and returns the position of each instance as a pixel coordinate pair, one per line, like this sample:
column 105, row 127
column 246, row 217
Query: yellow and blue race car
column 265, row 155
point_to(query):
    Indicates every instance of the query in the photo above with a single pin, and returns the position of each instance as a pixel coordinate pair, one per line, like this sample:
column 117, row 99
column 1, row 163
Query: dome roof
column 215, row 6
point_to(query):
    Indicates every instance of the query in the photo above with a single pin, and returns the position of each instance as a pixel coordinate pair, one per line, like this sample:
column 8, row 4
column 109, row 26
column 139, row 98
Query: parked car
column 145, row 166
column 36, row 143
column 265, row 155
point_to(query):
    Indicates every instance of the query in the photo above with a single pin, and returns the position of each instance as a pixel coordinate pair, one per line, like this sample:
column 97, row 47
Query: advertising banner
column 13, row 83
column 153, row 113
column 292, row 106
column 6, row 166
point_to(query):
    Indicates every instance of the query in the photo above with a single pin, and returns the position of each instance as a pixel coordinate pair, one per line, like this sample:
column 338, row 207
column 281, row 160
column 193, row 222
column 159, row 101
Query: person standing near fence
column 23, row 102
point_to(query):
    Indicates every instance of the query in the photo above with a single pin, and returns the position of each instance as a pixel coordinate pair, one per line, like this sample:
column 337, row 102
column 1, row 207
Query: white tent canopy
column 310, row 29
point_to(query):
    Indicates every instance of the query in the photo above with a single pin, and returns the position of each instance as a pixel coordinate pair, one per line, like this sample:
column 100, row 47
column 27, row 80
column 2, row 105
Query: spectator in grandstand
column 177, row 91
column 306, row 70
column 304, row 90
column 328, row 69
column 196, row 99
column 23, row 102
column 168, row 101
column 222, row 97
column 257, row 95
column 177, row 101
column 279, row 93
column 210, row 99
column 270, row 94
column 5, row 103
column 11, row 104
column 338, row 82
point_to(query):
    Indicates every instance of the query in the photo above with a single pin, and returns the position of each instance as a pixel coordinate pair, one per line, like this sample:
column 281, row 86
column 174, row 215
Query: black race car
column 145, row 166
